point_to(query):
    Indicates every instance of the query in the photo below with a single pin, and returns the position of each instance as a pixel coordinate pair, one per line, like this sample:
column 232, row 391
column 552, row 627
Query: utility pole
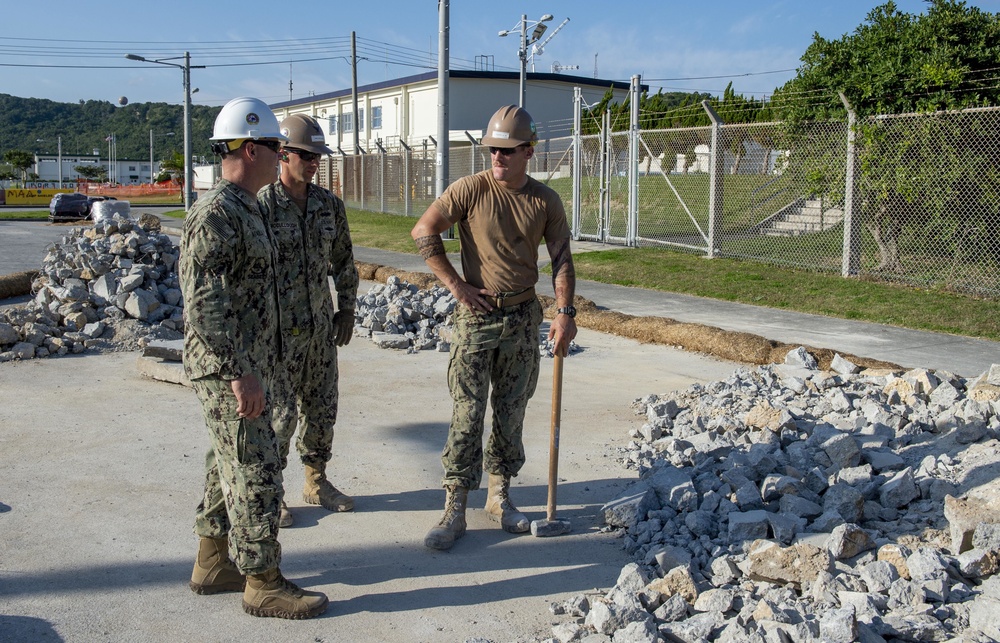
column 186, row 68
column 354, row 94
column 443, row 92
column 188, row 173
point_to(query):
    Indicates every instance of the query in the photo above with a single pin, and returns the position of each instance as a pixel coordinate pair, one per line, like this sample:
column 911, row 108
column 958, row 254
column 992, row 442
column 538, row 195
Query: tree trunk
column 885, row 228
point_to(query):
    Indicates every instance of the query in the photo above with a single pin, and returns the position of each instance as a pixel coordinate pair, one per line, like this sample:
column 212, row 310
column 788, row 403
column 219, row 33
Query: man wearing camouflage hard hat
column 502, row 214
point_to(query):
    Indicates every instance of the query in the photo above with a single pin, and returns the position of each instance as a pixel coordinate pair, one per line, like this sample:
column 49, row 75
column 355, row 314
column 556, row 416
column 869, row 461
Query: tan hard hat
column 510, row 126
column 304, row 133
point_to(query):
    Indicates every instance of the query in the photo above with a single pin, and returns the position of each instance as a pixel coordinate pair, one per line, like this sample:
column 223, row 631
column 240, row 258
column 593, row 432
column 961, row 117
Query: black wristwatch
column 567, row 310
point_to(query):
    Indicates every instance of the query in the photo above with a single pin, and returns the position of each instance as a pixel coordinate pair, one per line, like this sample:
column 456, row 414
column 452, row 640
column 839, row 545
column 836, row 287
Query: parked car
column 69, row 206
column 73, row 206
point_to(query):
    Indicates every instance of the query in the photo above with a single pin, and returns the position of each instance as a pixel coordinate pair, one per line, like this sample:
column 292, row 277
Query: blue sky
column 73, row 51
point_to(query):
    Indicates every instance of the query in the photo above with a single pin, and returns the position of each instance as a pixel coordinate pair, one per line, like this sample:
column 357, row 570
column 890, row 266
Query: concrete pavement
column 104, row 470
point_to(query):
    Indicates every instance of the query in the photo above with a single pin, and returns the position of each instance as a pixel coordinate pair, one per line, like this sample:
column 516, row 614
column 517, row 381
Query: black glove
column 343, row 327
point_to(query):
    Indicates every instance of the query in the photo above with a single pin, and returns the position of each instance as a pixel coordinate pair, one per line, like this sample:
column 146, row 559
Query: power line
column 752, row 73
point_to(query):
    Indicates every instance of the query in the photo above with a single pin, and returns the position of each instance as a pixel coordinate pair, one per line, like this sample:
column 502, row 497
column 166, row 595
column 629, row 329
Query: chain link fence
column 911, row 199
column 929, row 197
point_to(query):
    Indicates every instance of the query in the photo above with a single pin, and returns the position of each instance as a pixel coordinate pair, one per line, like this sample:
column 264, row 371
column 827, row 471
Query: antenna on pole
column 539, row 49
column 595, row 65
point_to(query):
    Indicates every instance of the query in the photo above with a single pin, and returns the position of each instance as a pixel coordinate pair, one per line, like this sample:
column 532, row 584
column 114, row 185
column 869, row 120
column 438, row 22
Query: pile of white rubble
column 112, row 286
column 400, row 315
column 789, row 504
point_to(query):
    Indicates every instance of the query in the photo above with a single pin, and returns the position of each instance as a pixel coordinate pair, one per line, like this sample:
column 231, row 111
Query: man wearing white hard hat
column 230, row 343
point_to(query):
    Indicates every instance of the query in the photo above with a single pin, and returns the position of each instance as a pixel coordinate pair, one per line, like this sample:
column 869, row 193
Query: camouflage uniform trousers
column 499, row 348
column 242, row 480
column 305, row 394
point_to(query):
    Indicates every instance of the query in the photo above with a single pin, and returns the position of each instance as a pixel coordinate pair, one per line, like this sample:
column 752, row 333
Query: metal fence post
column 632, row 227
column 364, row 186
column 851, row 259
column 577, row 159
column 407, row 198
column 716, row 172
column 383, row 207
column 475, row 146
column 604, row 214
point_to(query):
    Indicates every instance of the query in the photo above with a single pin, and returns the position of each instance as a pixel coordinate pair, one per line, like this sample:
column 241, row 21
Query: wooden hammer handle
column 557, row 371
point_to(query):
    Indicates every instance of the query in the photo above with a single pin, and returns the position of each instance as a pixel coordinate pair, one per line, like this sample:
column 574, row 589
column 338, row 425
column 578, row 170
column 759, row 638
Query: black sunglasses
column 505, row 151
column 308, row 157
column 274, row 146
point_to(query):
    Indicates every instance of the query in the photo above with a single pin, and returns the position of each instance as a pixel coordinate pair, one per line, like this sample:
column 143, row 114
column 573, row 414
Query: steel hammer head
column 553, row 527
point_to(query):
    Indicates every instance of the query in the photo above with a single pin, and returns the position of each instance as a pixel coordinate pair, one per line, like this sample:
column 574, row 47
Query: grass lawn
column 804, row 291
column 7, row 215
column 746, row 282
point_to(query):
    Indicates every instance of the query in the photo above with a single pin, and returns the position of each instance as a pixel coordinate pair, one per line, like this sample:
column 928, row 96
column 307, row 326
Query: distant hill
column 85, row 126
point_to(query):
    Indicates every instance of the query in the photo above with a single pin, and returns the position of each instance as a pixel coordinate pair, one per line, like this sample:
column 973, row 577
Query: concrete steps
column 805, row 216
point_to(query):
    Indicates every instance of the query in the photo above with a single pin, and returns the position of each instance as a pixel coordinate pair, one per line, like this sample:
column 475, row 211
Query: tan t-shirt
column 500, row 229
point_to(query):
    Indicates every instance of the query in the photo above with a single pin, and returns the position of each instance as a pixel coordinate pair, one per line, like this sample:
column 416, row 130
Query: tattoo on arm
column 563, row 274
column 430, row 246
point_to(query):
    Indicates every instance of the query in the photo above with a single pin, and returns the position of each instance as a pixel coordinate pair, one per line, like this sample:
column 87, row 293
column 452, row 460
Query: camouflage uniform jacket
column 310, row 247
column 227, row 279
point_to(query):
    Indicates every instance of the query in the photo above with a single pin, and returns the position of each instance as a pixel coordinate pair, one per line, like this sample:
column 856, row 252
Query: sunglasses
column 506, row 151
column 274, row 146
column 308, row 157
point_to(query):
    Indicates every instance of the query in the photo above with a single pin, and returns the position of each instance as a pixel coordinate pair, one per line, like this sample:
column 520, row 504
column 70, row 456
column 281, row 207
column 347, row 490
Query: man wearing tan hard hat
column 309, row 224
column 502, row 214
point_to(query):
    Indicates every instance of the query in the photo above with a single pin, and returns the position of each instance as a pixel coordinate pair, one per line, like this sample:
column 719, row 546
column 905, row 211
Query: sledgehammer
column 553, row 526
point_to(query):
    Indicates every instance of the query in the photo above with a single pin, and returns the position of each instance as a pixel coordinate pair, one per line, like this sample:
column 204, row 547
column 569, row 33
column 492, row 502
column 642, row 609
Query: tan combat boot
column 500, row 509
column 319, row 491
column 213, row 571
column 285, row 516
column 271, row 594
column 451, row 527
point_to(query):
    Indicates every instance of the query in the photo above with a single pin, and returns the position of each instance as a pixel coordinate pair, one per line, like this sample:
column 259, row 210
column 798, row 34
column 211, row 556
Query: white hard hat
column 246, row 118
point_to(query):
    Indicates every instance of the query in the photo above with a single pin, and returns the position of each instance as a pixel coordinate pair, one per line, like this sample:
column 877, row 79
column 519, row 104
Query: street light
column 152, row 177
column 522, row 53
column 59, row 148
column 186, row 68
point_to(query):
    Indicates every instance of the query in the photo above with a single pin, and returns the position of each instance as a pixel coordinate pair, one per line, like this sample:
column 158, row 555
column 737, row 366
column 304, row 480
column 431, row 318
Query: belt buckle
column 500, row 298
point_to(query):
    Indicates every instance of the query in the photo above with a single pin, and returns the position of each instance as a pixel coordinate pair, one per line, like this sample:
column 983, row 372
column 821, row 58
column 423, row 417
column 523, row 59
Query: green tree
column 20, row 161
column 931, row 175
column 92, row 172
column 83, row 126
column 174, row 166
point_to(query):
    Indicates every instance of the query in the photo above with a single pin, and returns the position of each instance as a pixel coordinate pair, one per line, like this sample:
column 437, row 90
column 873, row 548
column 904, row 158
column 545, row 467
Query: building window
column 348, row 121
column 377, row 117
column 131, row 168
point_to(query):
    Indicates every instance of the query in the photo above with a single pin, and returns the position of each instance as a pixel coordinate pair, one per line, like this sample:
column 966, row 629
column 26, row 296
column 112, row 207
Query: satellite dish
column 123, row 101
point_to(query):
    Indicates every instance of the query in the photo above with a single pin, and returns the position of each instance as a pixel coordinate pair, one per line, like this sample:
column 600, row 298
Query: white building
column 406, row 109
column 122, row 171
